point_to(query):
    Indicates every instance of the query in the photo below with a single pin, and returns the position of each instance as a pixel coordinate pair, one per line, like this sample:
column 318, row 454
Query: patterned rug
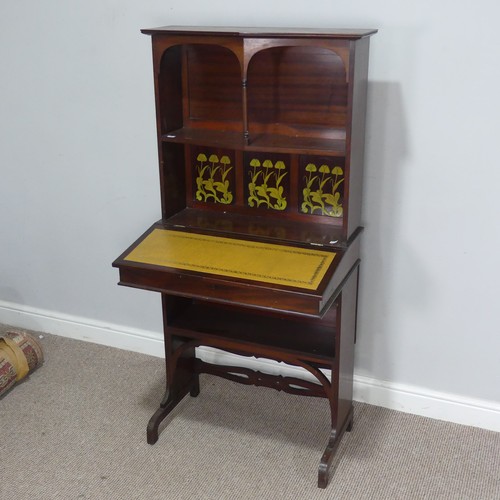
column 20, row 354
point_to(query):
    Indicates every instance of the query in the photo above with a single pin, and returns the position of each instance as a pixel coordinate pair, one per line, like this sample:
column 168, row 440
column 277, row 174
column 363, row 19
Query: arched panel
column 297, row 86
column 199, row 84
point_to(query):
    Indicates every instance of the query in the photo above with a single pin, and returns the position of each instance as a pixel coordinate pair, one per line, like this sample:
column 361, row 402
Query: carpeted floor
column 76, row 429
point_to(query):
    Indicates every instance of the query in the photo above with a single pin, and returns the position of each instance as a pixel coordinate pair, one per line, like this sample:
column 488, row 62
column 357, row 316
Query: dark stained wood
column 309, row 340
column 292, row 385
column 312, row 231
column 172, row 173
column 310, row 139
column 260, row 138
column 305, row 86
column 213, row 84
column 351, row 34
column 356, row 147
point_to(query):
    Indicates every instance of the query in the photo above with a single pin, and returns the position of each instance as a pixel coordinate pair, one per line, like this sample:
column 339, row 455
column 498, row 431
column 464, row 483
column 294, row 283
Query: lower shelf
column 275, row 337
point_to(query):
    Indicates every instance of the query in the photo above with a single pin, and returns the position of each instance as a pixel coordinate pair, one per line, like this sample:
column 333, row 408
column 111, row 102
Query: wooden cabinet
column 260, row 141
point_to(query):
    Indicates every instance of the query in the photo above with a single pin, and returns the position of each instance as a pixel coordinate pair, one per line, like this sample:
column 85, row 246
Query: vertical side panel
column 344, row 349
column 356, row 135
column 172, row 178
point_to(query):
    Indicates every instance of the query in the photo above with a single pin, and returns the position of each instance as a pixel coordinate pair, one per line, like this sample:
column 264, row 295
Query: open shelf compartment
column 217, row 326
column 289, row 99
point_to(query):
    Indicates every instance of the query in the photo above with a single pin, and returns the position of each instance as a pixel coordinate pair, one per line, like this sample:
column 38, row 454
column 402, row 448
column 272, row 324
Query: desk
column 257, row 253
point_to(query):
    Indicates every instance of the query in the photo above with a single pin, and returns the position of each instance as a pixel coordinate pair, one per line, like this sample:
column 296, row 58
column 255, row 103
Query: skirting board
column 410, row 399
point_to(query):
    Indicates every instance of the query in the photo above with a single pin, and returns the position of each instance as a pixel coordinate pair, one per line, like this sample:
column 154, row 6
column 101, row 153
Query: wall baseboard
column 409, row 399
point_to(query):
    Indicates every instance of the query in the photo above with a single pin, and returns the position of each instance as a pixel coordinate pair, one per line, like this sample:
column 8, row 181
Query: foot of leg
column 169, row 402
column 331, row 448
column 349, row 425
column 157, row 418
column 326, row 459
column 195, row 388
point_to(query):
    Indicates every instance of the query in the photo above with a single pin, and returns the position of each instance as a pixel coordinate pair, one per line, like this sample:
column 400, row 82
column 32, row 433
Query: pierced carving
column 247, row 376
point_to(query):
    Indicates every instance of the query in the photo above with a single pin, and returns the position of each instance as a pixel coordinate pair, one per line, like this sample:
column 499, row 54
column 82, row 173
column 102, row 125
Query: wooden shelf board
column 205, row 137
column 312, row 340
column 269, row 142
column 257, row 227
column 296, row 143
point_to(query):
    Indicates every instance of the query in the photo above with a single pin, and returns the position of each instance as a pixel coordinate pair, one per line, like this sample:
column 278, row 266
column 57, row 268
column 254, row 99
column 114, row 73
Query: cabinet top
column 351, row 34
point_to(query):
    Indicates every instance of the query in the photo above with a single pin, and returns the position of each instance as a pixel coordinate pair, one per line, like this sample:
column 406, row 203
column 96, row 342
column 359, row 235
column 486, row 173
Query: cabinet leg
column 170, row 401
column 195, row 388
column 349, row 425
column 326, row 459
column 167, row 405
column 331, row 448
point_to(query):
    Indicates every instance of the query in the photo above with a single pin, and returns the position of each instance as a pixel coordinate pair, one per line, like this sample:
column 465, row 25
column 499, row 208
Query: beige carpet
column 76, row 429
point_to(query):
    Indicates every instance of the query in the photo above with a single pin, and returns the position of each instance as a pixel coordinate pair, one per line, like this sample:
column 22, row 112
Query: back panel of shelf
column 297, row 91
column 212, row 88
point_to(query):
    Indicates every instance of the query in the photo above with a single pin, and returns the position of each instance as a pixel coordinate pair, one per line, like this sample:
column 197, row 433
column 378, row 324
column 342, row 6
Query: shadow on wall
column 11, row 309
column 9, row 294
column 383, row 250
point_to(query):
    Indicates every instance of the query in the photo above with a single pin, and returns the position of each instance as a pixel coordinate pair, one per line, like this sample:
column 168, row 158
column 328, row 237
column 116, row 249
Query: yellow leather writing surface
column 267, row 262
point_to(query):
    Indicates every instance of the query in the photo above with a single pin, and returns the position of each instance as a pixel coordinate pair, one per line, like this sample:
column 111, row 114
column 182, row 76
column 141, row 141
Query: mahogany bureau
column 260, row 141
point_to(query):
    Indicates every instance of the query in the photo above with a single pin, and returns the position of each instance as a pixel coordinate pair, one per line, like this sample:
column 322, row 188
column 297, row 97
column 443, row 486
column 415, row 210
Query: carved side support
column 177, row 388
column 342, row 374
column 181, row 376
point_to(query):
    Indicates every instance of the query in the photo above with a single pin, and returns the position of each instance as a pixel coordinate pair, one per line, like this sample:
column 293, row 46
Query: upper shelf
column 269, row 142
column 293, row 98
column 285, row 144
